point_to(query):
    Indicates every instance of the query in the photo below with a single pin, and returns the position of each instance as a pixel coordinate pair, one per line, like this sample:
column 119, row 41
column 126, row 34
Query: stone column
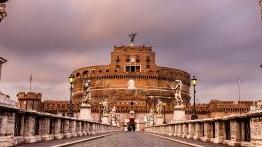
column 92, row 127
column 180, row 130
column 44, row 129
column 170, row 130
column 256, row 131
column 79, row 128
column 73, row 128
column 207, row 132
column 197, row 131
column 185, row 130
column 29, row 130
column 7, row 129
column 235, row 131
column 219, row 132
column 84, row 131
column 22, row 125
column 66, row 132
column 58, row 134
column 191, row 130
column 88, row 128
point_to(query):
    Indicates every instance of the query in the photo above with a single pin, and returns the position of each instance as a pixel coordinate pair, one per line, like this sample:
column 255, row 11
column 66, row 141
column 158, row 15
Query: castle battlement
column 29, row 96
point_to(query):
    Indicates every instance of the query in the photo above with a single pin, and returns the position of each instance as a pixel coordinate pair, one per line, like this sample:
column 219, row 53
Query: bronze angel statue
column 132, row 37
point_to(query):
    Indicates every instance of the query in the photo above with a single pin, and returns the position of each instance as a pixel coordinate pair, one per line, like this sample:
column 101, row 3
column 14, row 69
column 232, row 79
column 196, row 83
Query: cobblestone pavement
column 55, row 142
column 195, row 142
column 130, row 139
column 125, row 139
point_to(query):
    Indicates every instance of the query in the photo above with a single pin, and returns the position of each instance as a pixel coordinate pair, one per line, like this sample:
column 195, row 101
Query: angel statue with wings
column 177, row 90
column 86, row 92
column 132, row 37
column 159, row 107
column 105, row 106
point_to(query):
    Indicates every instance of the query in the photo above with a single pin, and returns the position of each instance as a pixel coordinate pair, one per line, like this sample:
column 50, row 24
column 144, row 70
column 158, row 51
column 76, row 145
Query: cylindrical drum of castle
column 131, row 82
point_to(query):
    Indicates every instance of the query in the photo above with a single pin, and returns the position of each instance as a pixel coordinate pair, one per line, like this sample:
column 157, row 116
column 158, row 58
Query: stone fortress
column 132, row 84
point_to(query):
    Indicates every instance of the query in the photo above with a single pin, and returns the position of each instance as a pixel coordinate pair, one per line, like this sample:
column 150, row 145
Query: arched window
column 85, row 72
column 77, row 74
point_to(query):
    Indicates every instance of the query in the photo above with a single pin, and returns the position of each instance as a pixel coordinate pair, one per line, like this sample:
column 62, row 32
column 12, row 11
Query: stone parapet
column 236, row 130
column 28, row 126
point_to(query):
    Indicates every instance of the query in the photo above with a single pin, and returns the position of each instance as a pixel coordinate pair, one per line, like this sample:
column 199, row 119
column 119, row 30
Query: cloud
column 217, row 41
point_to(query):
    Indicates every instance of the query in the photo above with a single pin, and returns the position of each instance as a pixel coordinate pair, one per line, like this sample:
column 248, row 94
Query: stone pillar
column 197, row 133
column 235, row 131
column 58, row 134
column 170, row 130
column 159, row 119
column 88, row 128
column 44, row 129
column 105, row 119
column 7, row 129
column 92, row 128
column 219, row 132
column 176, row 130
column 179, row 113
column 207, row 132
column 185, row 130
column 85, row 112
column 256, row 131
column 180, row 130
column 191, row 130
column 84, row 131
column 66, row 132
column 79, row 128
column 29, row 132
column 72, row 128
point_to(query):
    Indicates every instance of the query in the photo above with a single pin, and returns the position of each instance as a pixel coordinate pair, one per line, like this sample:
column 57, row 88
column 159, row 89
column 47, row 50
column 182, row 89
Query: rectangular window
column 132, row 68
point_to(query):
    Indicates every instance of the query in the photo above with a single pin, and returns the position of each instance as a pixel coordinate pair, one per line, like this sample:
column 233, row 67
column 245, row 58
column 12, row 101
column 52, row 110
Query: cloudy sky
column 218, row 41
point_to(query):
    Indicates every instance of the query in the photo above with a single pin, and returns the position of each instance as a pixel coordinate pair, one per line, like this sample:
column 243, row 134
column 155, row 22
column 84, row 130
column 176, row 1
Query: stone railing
column 27, row 126
column 242, row 130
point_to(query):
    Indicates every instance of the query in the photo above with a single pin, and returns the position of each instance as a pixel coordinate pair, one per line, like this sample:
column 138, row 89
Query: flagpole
column 31, row 82
column 239, row 89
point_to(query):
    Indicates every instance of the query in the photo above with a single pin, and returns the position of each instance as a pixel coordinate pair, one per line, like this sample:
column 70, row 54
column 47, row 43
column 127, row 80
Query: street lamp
column 164, row 105
column 100, row 111
column 3, row 13
column 194, row 113
column 71, row 80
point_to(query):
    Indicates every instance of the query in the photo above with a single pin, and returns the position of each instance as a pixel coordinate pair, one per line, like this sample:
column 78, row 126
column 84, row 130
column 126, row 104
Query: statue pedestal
column 159, row 119
column 104, row 119
column 85, row 112
column 179, row 113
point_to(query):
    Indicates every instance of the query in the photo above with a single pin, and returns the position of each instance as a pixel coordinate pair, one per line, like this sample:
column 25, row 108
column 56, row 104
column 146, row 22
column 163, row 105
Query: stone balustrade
column 27, row 126
column 237, row 130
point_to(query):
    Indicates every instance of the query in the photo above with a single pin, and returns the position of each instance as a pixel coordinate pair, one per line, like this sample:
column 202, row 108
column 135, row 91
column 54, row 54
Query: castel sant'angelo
column 131, row 82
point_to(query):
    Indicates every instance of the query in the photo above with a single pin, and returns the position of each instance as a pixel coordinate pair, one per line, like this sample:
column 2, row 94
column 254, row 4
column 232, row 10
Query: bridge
column 25, row 127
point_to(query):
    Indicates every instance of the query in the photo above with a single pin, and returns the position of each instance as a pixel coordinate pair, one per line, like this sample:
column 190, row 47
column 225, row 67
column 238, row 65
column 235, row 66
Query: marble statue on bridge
column 113, row 116
column 159, row 107
column 85, row 108
column 86, row 92
column 177, row 92
column 105, row 106
column 179, row 108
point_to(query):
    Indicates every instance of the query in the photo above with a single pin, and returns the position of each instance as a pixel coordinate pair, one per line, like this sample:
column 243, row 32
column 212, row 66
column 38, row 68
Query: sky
column 218, row 41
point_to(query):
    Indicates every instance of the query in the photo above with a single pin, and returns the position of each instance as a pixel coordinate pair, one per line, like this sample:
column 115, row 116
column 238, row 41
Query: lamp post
column 3, row 13
column 71, row 79
column 194, row 113
column 100, row 111
column 164, row 106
